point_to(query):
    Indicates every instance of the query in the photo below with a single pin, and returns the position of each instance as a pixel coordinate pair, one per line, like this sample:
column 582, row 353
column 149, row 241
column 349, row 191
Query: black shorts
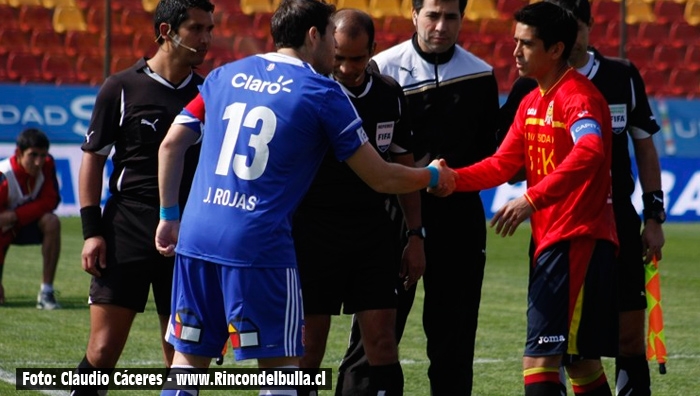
column 572, row 306
column 29, row 235
column 631, row 284
column 355, row 270
column 133, row 263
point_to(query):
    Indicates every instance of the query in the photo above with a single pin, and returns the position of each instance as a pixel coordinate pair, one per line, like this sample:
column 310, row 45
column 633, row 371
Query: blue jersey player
column 268, row 121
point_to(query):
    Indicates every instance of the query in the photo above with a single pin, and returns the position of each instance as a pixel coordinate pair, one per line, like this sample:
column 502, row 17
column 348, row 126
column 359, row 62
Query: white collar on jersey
column 591, row 67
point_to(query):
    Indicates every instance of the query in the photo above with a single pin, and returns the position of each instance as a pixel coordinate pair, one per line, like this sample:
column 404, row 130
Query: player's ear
column 163, row 32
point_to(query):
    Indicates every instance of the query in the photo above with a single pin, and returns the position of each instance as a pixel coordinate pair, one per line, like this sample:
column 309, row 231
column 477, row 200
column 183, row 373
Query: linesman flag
column 656, row 340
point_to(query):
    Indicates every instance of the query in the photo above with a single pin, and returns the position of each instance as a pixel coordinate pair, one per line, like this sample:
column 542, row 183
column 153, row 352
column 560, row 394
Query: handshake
column 447, row 179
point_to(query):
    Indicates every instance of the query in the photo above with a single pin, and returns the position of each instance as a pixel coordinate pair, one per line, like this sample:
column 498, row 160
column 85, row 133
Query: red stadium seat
column 398, row 27
column 505, row 75
column 683, row 82
column 234, row 24
column 384, row 8
column 90, row 69
column 82, row 42
column 667, row 11
column 46, row 40
column 667, row 57
column 261, row 24
column 58, row 69
column 135, row 20
column 34, row 16
column 641, row 55
column 120, row 63
column 691, row 60
column 245, row 45
column 503, row 54
column 23, row 67
column 653, row 33
column 13, row 40
column 121, row 44
column 683, row 34
column 3, row 67
column 508, row 7
column 604, row 11
column 655, row 80
column 95, row 18
column 481, row 49
column 9, row 17
column 495, row 30
column 144, row 44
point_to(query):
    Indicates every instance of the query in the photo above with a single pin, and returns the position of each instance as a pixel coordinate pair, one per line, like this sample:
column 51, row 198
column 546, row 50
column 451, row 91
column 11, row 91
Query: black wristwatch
column 419, row 232
column 658, row 216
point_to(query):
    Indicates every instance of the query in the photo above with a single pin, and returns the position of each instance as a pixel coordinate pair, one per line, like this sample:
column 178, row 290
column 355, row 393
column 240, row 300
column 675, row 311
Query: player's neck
column 552, row 78
column 171, row 69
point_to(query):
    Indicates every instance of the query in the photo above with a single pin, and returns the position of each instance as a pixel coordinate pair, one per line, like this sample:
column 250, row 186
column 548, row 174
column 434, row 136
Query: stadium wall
column 64, row 113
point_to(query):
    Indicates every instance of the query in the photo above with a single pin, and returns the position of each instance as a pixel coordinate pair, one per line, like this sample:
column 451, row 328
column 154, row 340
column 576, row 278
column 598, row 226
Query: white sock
column 46, row 288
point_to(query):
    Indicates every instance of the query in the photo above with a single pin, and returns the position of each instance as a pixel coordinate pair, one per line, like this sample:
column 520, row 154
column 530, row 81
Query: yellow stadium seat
column 481, row 9
column 149, row 5
column 359, row 4
column 19, row 3
column 407, row 8
column 692, row 12
column 55, row 3
column 639, row 11
column 384, row 8
column 254, row 6
column 68, row 18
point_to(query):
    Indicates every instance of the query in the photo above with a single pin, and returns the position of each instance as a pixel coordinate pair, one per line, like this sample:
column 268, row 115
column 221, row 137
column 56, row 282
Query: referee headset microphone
column 177, row 40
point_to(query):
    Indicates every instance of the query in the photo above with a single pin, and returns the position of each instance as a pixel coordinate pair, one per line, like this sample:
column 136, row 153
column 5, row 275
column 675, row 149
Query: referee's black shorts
column 133, row 263
column 354, row 265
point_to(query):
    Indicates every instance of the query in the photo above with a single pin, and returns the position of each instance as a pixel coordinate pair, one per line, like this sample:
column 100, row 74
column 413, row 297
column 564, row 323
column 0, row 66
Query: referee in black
column 132, row 114
column 348, row 248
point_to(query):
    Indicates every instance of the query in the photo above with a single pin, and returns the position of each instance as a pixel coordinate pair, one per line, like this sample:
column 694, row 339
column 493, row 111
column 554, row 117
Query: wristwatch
column 419, row 232
column 658, row 216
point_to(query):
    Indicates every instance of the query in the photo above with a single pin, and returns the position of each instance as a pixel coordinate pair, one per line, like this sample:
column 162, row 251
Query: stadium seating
column 481, row 9
column 251, row 7
column 683, row 82
column 385, row 8
column 639, row 11
column 23, row 67
column 604, row 11
column 68, row 18
column 503, row 54
column 683, row 34
column 691, row 14
column 691, row 59
column 359, row 4
column 134, row 20
column 233, row 24
column 508, row 7
column 13, row 40
column 667, row 58
column 656, row 81
column 90, row 69
column 494, row 30
column 31, row 16
column 9, row 17
column 652, row 33
column 150, row 5
column 56, row 3
column 144, row 44
column 639, row 54
column 78, row 42
column 19, row 3
column 58, row 69
column 667, row 11
column 407, row 8
column 481, row 49
column 397, row 27
column 45, row 41
column 261, row 24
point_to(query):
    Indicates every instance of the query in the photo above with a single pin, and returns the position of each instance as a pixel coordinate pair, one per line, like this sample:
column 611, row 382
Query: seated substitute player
column 622, row 86
column 268, row 120
column 346, row 241
column 29, row 195
column 562, row 136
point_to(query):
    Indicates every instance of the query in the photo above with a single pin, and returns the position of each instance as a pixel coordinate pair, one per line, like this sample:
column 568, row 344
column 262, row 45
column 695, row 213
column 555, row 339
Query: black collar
column 437, row 59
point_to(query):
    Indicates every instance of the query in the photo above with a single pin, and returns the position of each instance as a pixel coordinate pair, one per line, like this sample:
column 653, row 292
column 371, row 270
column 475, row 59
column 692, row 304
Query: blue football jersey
column 267, row 120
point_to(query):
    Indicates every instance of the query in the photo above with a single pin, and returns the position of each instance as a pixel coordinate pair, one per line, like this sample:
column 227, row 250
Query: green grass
column 34, row 338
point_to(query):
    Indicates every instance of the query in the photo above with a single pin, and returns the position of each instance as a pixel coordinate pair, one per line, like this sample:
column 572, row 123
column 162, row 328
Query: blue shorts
column 572, row 300
column 258, row 309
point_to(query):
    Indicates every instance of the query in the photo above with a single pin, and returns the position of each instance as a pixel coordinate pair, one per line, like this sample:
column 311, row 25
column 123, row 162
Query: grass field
column 34, row 338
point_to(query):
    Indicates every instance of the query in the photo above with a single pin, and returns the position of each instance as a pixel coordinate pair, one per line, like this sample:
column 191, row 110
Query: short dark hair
column 32, row 138
column 418, row 5
column 293, row 19
column 356, row 22
column 174, row 12
column 580, row 8
column 552, row 24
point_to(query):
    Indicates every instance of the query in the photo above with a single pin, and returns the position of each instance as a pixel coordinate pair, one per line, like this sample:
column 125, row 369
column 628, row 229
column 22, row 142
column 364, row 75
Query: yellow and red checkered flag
column 656, row 340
